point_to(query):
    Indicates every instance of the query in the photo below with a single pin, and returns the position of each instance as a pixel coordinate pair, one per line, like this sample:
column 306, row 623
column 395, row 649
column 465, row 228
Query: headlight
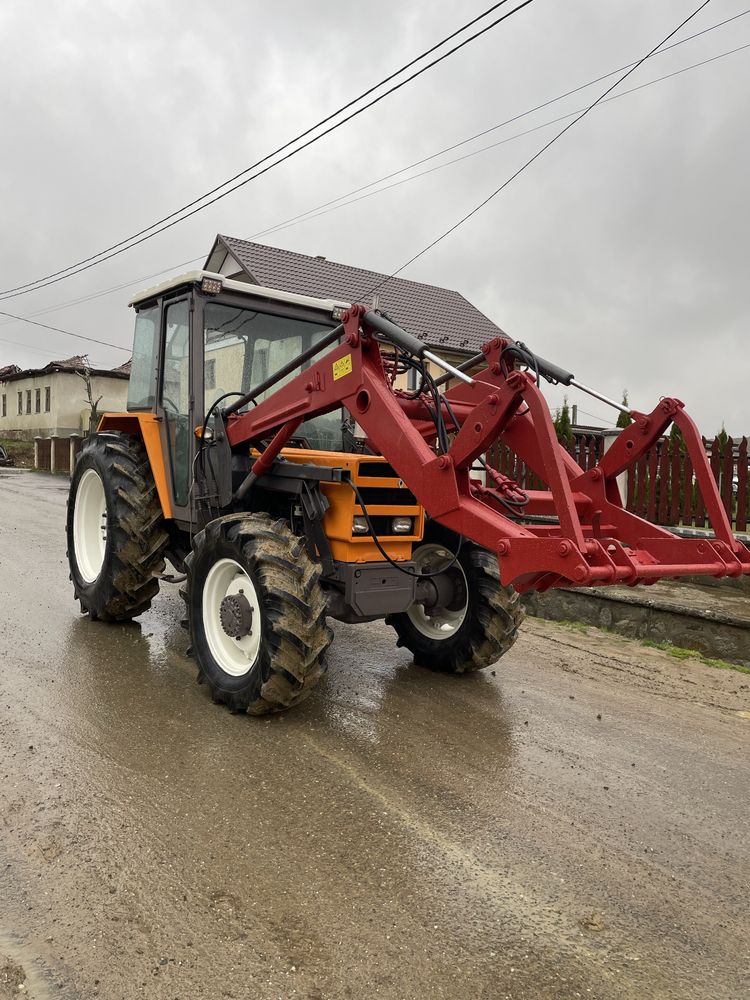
column 359, row 526
column 401, row 525
column 211, row 286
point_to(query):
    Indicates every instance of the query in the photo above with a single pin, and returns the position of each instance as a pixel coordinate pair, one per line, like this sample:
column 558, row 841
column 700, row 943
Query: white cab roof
column 243, row 287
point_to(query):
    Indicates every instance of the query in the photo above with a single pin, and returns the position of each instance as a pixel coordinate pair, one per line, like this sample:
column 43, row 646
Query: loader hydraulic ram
column 592, row 540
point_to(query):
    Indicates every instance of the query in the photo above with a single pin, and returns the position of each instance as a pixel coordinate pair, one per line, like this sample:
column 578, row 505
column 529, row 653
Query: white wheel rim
column 90, row 525
column 441, row 623
column 236, row 657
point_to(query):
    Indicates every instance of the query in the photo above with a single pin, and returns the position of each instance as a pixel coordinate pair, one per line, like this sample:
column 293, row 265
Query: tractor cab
column 201, row 338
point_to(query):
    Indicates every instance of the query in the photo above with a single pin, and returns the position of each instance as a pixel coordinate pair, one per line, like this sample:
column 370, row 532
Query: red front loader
column 320, row 490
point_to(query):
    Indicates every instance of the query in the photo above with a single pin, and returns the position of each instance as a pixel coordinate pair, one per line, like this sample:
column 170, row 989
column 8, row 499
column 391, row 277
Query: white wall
column 67, row 403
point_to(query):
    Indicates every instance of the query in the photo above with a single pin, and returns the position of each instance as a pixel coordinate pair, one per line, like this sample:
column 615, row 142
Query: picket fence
column 661, row 486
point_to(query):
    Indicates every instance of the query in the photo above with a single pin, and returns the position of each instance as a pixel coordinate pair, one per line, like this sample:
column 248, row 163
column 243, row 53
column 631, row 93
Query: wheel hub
column 444, row 591
column 236, row 616
column 90, row 526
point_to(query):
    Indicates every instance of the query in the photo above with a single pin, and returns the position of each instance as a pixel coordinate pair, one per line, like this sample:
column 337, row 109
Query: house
column 41, row 402
column 446, row 321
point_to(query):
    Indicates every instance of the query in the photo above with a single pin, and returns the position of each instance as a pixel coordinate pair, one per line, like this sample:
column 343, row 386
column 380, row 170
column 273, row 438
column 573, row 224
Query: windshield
column 243, row 347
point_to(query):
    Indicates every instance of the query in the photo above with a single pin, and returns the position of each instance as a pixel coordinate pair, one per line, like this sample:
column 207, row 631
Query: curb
column 712, row 632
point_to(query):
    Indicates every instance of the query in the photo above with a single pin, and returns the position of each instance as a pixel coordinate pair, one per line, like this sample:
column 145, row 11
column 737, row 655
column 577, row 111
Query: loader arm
column 592, row 539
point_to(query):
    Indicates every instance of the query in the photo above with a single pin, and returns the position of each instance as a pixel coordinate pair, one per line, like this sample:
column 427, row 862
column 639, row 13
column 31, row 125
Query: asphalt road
column 573, row 825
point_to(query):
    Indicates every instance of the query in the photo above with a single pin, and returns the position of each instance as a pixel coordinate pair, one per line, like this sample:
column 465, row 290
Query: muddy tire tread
column 494, row 619
column 136, row 536
column 295, row 627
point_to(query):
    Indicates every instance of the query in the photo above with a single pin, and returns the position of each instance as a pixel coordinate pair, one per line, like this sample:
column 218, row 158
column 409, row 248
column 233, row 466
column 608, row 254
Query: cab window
column 143, row 370
column 242, row 347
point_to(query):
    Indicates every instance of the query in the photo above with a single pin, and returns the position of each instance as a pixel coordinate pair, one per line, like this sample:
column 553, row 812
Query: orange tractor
column 267, row 454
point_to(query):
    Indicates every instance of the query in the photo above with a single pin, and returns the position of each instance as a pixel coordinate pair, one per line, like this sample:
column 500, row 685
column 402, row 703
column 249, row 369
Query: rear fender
column 147, row 428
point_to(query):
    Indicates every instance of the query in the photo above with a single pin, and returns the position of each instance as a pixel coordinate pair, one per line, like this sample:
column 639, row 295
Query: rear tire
column 257, row 614
column 473, row 636
column 115, row 529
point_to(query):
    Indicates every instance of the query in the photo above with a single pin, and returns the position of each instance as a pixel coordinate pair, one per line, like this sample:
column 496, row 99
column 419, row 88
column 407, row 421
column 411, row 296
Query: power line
column 539, row 152
column 26, row 347
column 508, row 121
column 159, row 227
column 604, row 420
column 330, row 206
column 107, row 291
column 56, row 329
column 333, row 206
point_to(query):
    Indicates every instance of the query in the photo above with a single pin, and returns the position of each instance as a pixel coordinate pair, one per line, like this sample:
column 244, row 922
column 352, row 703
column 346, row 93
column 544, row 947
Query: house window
column 38, row 401
column 28, row 400
column 210, row 374
column 47, row 399
column 5, row 405
column 20, row 402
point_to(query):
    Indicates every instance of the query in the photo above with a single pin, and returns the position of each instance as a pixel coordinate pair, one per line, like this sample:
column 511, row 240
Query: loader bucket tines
column 594, row 540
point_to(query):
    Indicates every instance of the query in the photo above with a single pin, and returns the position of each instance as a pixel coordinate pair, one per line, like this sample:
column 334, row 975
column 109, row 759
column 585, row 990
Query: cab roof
column 242, row 287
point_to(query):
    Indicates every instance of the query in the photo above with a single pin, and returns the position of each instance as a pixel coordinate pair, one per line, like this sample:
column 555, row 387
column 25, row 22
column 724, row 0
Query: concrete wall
column 68, row 409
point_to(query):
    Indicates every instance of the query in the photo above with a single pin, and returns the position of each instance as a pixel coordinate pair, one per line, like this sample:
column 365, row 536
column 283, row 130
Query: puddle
column 21, row 973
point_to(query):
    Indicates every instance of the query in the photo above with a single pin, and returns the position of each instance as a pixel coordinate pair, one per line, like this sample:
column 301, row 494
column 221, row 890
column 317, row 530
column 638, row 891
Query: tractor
column 270, row 455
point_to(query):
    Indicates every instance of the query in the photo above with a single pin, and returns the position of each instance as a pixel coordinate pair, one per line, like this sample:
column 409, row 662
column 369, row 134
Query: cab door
column 175, row 399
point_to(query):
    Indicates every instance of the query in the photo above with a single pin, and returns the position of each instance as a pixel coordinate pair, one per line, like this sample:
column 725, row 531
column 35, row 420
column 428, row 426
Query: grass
column 575, row 626
column 678, row 652
column 22, row 452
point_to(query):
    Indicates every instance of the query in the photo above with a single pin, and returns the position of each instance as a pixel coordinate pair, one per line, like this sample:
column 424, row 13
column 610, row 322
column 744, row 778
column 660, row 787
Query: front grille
column 377, row 470
column 393, row 496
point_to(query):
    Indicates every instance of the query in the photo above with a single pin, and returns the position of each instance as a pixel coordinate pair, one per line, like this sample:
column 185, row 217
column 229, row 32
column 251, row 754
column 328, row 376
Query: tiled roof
column 438, row 316
column 78, row 363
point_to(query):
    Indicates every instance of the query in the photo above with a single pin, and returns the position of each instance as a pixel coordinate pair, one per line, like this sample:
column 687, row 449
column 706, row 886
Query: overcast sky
column 621, row 253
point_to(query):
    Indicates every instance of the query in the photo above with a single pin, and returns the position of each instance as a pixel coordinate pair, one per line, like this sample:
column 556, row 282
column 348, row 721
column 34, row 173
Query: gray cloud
column 621, row 253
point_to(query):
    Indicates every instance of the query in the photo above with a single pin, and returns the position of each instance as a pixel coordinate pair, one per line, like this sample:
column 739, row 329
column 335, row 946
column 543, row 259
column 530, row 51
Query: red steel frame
column 595, row 540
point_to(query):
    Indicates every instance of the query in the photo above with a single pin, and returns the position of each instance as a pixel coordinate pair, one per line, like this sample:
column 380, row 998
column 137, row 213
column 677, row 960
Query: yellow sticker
column 342, row 367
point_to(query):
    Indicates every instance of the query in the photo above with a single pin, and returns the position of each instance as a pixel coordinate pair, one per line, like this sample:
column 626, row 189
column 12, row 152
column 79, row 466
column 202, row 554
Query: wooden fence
column 57, row 454
column 586, row 449
column 661, row 486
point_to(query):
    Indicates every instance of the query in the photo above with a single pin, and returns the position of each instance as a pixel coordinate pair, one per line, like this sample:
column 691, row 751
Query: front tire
column 257, row 614
column 115, row 529
column 480, row 626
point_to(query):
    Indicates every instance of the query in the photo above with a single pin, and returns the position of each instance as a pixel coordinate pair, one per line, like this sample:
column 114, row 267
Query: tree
column 722, row 438
column 624, row 419
column 562, row 423
column 93, row 404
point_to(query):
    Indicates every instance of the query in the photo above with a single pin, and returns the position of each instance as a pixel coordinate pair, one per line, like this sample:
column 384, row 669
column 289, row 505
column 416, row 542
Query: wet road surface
column 574, row 825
